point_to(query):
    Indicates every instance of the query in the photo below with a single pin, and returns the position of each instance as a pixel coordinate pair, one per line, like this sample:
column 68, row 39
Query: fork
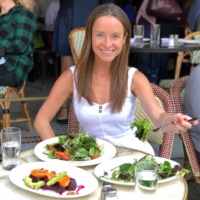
column 158, row 128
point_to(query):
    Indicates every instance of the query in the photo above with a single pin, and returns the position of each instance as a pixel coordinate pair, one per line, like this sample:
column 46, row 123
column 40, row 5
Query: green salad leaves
column 74, row 147
column 143, row 129
column 126, row 171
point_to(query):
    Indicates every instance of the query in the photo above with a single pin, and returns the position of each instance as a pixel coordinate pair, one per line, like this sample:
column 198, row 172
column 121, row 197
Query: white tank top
column 114, row 128
column 105, row 125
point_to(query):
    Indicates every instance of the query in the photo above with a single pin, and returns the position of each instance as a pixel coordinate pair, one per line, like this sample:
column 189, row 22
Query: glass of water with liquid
column 146, row 175
column 10, row 146
column 138, row 35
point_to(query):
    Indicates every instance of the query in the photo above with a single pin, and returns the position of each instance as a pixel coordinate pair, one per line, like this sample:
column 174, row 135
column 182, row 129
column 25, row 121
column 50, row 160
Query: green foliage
column 143, row 129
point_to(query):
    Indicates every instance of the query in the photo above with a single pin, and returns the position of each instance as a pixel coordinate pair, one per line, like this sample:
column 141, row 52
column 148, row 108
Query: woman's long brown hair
column 119, row 66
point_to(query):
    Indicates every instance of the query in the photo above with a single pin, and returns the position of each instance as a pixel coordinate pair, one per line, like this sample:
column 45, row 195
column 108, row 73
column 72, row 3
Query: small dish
column 144, row 40
column 191, row 41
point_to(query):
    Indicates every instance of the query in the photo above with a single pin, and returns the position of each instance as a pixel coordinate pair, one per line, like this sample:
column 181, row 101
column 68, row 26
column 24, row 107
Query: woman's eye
column 115, row 36
column 99, row 35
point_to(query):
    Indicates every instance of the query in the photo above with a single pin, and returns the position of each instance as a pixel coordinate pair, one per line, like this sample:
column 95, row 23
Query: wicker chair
column 177, row 94
column 165, row 140
column 76, row 38
column 7, row 93
column 183, row 56
column 190, row 58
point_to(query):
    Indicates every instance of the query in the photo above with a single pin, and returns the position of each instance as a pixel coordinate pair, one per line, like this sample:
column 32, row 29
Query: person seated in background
column 51, row 13
column 191, row 106
column 104, row 88
column 193, row 18
column 71, row 15
column 17, row 29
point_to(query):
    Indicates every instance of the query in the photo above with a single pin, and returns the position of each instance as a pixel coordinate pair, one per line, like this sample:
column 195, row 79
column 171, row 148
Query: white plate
column 191, row 41
column 144, row 40
column 113, row 163
column 81, row 176
column 108, row 152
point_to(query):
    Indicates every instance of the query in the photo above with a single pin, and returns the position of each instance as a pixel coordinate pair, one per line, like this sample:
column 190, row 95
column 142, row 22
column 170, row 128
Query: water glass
column 138, row 35
column 10, row 145
column 146, row 174
column 155, row 34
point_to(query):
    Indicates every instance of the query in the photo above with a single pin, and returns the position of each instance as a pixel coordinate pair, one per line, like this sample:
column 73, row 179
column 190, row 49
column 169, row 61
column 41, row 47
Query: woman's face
column 107, row 38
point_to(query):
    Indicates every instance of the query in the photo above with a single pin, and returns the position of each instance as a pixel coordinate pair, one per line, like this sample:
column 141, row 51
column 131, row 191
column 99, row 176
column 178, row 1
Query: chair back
column 177, row 94
column 76, row 38
column 165, row 140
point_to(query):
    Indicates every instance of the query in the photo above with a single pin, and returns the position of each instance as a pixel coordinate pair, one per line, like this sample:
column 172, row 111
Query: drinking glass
column 155, row 34
column 11, row 145
column 146, row 174
column 138, row 35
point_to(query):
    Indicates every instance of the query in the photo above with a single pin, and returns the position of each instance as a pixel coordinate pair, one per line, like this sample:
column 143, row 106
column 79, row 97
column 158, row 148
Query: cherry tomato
column 62, row 155
column 95, row 156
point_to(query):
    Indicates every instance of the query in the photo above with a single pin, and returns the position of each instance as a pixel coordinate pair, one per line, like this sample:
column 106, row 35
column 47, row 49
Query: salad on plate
column 74, row 147
column 125, row 172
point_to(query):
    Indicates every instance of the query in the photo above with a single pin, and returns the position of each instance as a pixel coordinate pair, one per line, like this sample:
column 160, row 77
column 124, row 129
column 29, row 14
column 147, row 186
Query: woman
column 72, row 14
column 102, row 86
column 18, row 25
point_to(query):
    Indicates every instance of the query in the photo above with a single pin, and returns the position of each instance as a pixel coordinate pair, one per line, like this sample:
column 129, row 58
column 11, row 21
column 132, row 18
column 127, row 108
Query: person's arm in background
column 51, row 13
column 192, row 96
column 193, row 15
column 25, row 27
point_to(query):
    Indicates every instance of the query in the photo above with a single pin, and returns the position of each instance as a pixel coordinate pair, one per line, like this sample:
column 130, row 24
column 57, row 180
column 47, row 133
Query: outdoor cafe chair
column 8, row 93
column 76, row 38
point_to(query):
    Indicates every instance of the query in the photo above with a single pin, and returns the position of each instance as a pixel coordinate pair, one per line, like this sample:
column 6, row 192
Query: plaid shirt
column 17, row 29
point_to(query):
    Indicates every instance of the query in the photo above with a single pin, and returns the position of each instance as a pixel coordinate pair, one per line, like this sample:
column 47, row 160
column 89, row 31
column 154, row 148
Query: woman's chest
column 101, row 90
column 101, row 93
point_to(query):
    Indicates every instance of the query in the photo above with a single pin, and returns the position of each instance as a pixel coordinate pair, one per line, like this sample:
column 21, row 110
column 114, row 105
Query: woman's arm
column 62, row 89
column 142, row 89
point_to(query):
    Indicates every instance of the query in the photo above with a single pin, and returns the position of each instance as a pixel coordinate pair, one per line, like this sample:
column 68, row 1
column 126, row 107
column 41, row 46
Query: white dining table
column 172, row 190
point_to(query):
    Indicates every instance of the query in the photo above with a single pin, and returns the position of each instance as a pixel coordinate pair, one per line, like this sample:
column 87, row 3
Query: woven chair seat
column 166, row 83
column 3, row 90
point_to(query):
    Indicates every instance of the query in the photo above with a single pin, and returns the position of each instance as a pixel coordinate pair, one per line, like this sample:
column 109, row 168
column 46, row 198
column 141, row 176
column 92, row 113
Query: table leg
column 155, row 60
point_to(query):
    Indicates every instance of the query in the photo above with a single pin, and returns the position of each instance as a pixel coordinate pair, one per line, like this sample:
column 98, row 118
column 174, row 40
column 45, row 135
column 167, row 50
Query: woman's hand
column 179, row 123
